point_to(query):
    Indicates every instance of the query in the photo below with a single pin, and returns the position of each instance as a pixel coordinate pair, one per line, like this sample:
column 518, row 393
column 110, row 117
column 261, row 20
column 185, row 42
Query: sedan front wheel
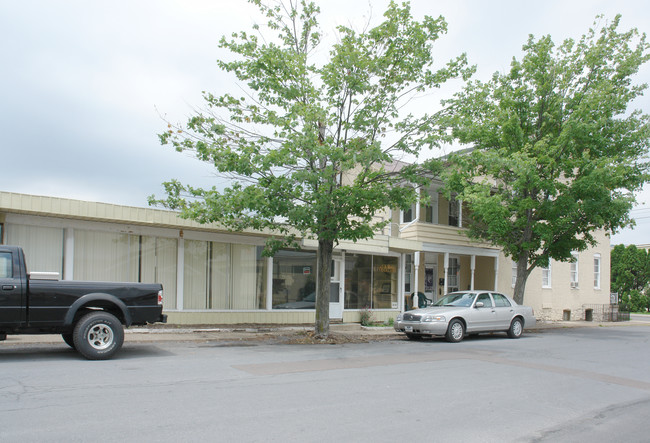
column 455, row 331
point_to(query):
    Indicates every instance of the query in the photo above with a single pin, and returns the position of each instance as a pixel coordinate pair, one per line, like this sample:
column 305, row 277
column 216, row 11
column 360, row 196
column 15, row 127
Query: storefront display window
column 370, row 282
column 294, row 280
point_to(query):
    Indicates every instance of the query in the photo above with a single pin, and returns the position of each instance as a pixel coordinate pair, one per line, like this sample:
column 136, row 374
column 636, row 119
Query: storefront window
column 294, row 280
column 43, row 246
column 358, row 275
column 223, row 276
column 370, row 282
column 105, row 256
column 384, row 283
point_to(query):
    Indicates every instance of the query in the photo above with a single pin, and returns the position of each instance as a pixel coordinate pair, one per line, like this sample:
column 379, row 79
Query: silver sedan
column 467, row 312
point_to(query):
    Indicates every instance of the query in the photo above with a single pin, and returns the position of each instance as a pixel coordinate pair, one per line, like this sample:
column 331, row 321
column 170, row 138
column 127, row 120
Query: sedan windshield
column 457, row 299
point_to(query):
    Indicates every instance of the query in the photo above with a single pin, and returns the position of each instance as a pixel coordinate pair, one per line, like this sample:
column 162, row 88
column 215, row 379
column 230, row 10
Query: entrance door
column 336, row 291
column 431, row 281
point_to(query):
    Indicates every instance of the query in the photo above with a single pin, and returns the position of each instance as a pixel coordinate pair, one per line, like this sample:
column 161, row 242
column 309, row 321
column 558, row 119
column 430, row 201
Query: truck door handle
column 8, row 287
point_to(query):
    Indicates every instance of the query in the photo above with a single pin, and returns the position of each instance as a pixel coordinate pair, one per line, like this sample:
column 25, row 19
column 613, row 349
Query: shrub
column 366, row 317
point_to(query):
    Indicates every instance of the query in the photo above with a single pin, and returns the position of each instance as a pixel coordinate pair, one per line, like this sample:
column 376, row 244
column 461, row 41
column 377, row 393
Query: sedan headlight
column 433, row 317
column 399, row 317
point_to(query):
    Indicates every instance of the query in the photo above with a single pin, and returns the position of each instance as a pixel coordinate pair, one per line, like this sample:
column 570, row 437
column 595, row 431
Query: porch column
column 180, row 272
column 269, row 283
column 444, row 292
column 400, row 282
column 472, row 265
column 417, row 279
column 460, row 213
column 496, row 273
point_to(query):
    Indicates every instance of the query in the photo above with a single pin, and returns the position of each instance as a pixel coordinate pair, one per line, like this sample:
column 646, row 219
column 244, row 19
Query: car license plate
column 408, row 328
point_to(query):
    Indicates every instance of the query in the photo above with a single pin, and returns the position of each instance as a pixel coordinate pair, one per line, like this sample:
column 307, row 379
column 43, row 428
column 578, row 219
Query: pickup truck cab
column 90, row 316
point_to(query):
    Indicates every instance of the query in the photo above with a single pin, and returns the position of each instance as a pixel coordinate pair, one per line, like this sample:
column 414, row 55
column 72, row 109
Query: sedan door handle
column 8, row 287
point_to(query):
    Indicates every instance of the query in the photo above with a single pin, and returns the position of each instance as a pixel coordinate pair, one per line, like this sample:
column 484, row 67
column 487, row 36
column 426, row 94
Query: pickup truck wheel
column 68, row 338
column 98, row 335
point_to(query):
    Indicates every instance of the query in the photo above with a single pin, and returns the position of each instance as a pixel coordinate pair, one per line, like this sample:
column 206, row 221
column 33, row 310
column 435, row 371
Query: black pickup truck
column 89, row 315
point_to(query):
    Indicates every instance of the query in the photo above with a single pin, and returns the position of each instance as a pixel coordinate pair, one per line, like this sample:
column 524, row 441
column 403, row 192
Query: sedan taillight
column 160, row 297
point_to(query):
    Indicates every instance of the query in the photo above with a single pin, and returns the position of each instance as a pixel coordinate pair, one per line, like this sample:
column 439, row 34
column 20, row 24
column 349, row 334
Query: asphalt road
column 559, row 385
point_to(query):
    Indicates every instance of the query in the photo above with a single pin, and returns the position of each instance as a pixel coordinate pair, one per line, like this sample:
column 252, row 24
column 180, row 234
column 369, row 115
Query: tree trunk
column 522, row 277
column 324, row 264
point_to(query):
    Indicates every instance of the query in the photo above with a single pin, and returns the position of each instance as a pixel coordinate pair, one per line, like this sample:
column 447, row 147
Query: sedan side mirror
column 479, row 304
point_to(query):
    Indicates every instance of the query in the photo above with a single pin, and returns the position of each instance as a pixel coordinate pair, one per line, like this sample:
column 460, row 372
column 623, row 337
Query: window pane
column 106, row 256
column 384, row 285
column 6, row 267
column 408, row 270
column 158, row 265
column 43, row 246
column 358, row 275
column 294, row 280
column 597, row 272
column 500, row 300
column 244, row 279
column 195, row 275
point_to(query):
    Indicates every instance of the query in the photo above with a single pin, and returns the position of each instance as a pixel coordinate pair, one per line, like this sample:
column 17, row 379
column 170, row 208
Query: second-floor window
column 546, row 276
column 574, row 270
column 597, row 271
column 408, row 215
column 454, row 212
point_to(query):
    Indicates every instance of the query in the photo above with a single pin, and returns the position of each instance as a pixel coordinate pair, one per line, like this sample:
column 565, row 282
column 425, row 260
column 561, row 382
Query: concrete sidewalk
column 339, row 333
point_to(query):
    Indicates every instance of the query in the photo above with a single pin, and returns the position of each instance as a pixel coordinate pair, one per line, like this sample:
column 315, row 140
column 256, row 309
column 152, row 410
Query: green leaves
column 307, row 144
column 557, row 155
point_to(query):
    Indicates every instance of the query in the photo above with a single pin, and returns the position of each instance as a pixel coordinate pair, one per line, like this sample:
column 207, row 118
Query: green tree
column 556, row 154
column 630, row 275
column 311, row 147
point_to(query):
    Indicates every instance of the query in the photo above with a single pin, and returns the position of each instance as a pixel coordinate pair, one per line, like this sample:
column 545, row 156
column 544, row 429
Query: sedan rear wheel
column 516, row 328
column 455, row 331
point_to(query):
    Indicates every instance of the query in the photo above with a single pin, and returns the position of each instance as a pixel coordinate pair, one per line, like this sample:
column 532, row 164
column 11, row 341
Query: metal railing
column 611, row 312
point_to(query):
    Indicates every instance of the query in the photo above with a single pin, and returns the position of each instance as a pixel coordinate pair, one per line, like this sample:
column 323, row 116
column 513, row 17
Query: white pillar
column 446, row 273
column 460, row 213
column 401, row 276
column 472, row 265
column 269, row 283
column 496, row 273
column 68, row 254
column 180, row 273
column 417, row 280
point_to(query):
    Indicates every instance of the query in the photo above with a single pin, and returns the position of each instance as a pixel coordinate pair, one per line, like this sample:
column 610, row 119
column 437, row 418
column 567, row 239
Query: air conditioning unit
column 574, row 285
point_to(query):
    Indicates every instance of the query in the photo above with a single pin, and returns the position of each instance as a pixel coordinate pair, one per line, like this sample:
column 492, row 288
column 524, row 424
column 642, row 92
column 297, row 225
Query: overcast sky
column 84, row 83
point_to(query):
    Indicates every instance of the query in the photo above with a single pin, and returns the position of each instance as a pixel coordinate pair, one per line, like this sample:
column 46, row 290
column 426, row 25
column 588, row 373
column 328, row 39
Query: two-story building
column 213, row 276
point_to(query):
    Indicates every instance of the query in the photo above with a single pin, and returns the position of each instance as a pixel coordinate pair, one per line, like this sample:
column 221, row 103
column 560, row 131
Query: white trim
column 269, row 283
column 68, row 254
column 459, row 250
column 54, row 222
column 496, row 274
column 574, row 275
column 598, row 279
column 472, row 267
column 180, row 273
column 550, row 276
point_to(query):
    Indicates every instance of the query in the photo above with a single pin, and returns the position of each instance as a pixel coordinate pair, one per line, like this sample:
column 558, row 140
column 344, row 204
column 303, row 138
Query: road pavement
column 560, row 383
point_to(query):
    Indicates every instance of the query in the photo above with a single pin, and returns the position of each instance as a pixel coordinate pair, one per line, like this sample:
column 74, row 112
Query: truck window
column 6, row 269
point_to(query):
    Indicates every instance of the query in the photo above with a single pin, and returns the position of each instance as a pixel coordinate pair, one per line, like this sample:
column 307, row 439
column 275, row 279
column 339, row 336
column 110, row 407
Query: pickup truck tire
column 98, row 335
column 68, row 338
